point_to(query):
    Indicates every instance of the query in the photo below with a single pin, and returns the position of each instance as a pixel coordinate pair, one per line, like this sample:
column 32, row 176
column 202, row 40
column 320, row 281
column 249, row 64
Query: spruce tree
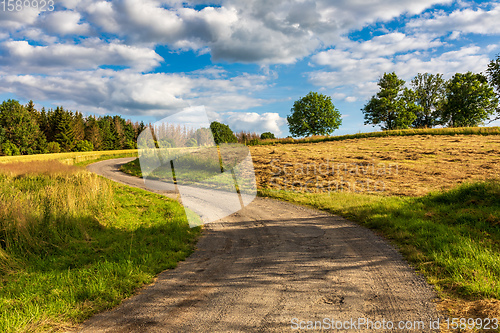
column 93, row 133
column 78, row 127
column 64, row 131
column 108, row 140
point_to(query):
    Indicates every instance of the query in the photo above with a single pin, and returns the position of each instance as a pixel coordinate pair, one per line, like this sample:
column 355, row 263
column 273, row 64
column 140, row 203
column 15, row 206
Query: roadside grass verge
column 132, row 168
column 189, row 169
column 73, row 244
column 404, row 132
column 451, row 237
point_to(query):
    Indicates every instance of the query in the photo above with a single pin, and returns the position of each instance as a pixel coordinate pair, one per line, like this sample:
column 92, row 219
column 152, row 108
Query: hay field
column 398, row 165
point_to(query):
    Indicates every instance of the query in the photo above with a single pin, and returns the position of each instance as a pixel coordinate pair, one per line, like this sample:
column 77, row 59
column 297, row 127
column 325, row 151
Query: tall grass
column 73, row 243
column 44, row 205
column 71, row 158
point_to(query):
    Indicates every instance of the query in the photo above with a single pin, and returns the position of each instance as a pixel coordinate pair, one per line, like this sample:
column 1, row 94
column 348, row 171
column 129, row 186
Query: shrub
column 53, row 147
column 10, row 149
column 83, row 145
column 130, row 144
column 267, row 135
column 253, row 142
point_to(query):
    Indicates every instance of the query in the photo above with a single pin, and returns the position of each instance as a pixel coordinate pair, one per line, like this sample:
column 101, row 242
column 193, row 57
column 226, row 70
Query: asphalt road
column 272, row 267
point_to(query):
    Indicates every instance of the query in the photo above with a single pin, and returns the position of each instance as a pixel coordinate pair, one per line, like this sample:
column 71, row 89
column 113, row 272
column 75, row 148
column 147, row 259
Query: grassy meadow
column 397, row 165
column 73, row 243
column 436, row 198
column 78, row 158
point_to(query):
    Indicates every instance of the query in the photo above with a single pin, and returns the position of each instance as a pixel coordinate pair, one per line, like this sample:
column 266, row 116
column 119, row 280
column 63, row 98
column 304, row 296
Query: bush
column 10, row 149
column 267, row 135
column 53, row 147
column 130, row 144
column 83, row 145
column 222, row 133
column 253, row 142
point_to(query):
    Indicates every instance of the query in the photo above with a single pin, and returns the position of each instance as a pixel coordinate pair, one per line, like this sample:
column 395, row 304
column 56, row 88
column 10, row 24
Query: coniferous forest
column 26, row 130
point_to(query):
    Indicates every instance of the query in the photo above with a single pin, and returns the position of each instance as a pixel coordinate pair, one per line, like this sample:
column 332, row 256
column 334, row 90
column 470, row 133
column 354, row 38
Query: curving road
column 271, row 267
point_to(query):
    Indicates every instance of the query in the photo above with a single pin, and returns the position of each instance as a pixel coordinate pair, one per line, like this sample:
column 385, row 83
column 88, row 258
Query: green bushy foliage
column 222, row 133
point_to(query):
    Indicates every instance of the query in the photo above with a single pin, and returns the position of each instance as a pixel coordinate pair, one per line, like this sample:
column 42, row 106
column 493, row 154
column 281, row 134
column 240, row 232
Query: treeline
column 171, row 136
column 26, row 130
column 465, row 100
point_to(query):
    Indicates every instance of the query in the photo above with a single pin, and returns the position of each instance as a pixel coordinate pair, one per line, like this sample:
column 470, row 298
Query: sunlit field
column 73, row 243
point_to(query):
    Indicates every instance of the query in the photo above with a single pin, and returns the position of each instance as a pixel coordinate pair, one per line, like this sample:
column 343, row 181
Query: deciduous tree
column 20, row 128
column 313, row 114
column 222, row 133
column 429, row 94
column 393, row 107
column 470, row 100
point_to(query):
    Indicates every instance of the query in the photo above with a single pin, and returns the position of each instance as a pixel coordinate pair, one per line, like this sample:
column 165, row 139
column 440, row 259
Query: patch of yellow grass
column 67, row 158
column 48, row 167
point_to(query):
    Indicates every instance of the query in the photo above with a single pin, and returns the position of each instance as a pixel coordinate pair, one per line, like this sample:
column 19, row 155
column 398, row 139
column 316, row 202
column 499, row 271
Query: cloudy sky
column 246, row 61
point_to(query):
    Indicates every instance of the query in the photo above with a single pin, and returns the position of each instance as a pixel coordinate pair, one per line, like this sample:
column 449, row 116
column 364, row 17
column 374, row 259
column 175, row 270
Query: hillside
column 399, row 165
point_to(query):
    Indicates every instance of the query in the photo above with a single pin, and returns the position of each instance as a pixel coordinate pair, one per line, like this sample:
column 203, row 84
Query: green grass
column 132, row 168
column 405, row 132
column 98, row 158
column 452, row 237
column 72, row 245
column 189, row 169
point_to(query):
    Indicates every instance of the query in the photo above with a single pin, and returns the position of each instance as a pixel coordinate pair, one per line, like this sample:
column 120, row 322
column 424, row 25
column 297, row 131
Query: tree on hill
column 118, row 127
column 30, row 107
column 394, row 106
column 222, row 133
column 267, row 135
column 429, row 94
column 470, row 100
column 129, row 134
column 313, row 114
column 493, row 73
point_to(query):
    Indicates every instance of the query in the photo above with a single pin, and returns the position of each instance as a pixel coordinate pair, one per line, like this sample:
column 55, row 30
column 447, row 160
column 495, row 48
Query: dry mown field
column 410, row 165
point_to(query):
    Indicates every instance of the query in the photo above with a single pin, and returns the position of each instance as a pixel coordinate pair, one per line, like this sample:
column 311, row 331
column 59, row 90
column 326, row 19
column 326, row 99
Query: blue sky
column 245, row 61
